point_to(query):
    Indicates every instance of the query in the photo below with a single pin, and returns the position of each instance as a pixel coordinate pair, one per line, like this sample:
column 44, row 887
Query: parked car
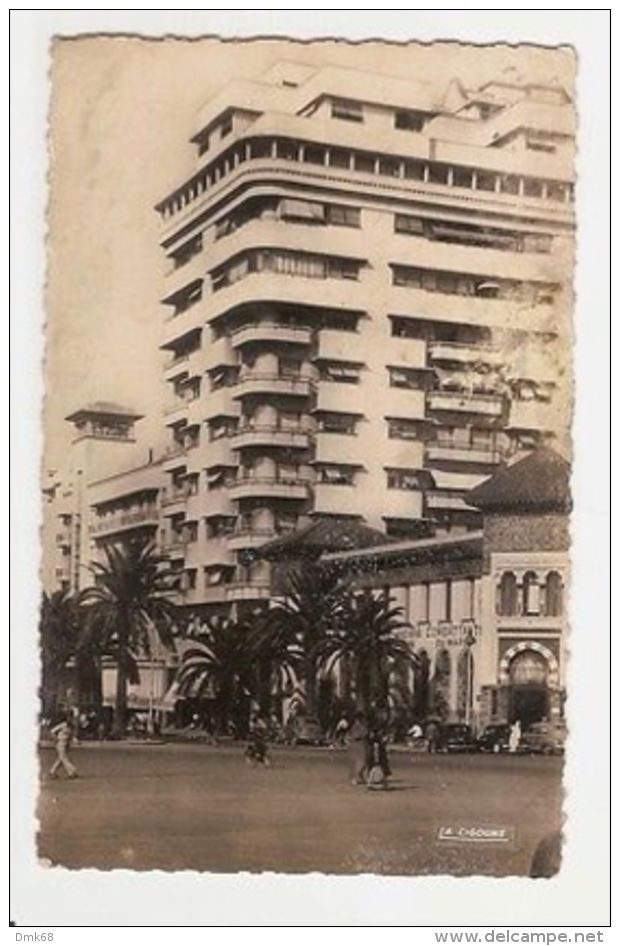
column 546, row 738
column 494, row 738
column 456, row 737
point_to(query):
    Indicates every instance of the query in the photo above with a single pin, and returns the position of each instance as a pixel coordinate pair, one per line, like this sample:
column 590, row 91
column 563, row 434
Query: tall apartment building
column 366, row 304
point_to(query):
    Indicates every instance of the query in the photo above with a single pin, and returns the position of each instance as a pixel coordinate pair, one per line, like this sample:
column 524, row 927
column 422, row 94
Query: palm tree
column 367, row 634
column 218, row 664
column 127, row 607
column 312, row 605
column 277, row 657
column 59, row 629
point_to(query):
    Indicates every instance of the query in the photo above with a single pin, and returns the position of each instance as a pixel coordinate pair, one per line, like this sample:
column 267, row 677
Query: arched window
column 528, row 668
column 553, row 594
column 508, row 596
column 531, row 593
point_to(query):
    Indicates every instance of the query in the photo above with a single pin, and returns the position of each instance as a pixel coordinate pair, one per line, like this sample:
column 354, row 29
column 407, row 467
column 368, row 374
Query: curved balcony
column 271, row 332
column 250, row 538
column 265, row 383
column 268, row 435
column 264, row 487
column 124, row 522
column 248, row 591
column 346, row 294
column 491, row 405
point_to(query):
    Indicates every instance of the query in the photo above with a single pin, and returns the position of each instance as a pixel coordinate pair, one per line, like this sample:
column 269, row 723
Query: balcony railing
column 270, row 435
column 127, row 520
column 271, row 332
column 269, row 487
column 263, row 383
column 471, row 403
column 170, row 497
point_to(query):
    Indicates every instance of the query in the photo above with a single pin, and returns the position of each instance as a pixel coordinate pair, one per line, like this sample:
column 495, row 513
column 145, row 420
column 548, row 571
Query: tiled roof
column 540, row 480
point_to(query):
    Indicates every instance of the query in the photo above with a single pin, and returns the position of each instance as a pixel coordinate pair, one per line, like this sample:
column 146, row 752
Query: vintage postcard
column 306, row 485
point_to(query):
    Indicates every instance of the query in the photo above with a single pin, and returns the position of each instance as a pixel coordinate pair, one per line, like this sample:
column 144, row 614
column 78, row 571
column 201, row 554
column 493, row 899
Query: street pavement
column 197, row 807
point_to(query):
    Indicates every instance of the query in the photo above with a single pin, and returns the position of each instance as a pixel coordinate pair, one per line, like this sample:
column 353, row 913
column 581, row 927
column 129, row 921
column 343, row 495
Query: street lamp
column 470, row 640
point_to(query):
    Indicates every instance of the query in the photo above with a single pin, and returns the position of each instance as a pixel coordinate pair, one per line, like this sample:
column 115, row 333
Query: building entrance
column 528, row 698
column 528, row 704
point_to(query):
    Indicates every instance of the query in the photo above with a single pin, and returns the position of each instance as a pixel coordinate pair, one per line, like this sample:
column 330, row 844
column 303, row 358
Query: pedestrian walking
column 378, row 763
column 514, row 739
column 432, row 736
column 358, row 750
column 62, row 734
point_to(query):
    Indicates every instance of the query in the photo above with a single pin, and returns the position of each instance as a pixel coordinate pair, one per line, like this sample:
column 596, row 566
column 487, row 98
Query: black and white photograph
column 306, row 502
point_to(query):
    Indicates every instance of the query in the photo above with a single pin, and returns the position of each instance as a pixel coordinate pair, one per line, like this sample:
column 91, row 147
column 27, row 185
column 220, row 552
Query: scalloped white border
column 580, row 894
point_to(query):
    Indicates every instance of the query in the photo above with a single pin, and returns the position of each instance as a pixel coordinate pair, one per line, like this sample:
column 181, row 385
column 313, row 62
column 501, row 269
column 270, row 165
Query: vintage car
column 546, row 738
column 494, row 738
column 456, row 737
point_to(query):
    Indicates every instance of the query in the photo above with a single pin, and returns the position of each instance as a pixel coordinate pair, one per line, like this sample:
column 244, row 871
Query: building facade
column 356, row 330
column 487, row 610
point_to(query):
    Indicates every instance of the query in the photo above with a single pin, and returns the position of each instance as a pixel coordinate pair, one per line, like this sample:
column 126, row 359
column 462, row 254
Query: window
column 556, row 191
column 390, row 167
column 411, row 225
column 187, row 298
column 187, row 251
column 414, row 170
column 406, row 328
column 403, row 479
column 437, row 174
column 314, row 155
column 508, row 595
column 485, row 181
column 553, row 594
column 303, row 210
column 462, row 177
column 338, row 423
column 531, row 594
column 409, row 120
column 260, row 148
column 336, row 475
column 347, row 111
column 341, row 216
column 340, row 372
column 342, row 268
column 365, row 163
column 406, row 276
column 532, row 187
column 339, row 158
column 402, row 429
column 509, row 184
column 406, row 378
column 287, row 150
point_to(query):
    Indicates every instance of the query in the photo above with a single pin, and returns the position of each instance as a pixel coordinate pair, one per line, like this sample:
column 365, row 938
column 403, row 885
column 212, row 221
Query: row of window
column 366, row 162
column 313, row 212
column 530, row 596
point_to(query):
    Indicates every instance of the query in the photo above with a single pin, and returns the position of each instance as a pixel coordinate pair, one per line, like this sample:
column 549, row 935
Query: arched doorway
column 528, row 674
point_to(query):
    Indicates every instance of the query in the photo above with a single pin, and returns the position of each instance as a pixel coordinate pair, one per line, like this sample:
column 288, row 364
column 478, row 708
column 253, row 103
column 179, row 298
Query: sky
column 122, row 112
